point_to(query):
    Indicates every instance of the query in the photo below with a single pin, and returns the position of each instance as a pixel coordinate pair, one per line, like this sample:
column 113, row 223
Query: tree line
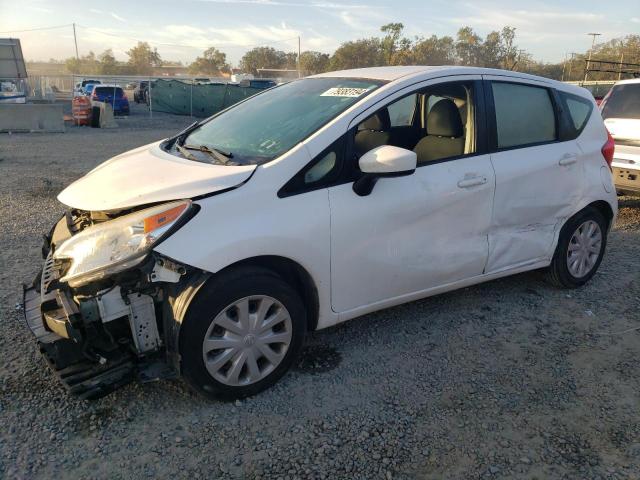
column 498, row 49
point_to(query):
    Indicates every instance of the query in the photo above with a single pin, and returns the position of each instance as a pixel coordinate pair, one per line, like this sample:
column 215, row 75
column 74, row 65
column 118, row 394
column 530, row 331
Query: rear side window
column 524, row 115
column 579, row 111
column 623, row 102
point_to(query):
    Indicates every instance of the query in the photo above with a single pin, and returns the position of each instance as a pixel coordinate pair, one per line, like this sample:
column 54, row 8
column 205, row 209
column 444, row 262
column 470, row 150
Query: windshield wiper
column 184, row 152
column 216, row 153
column 180, row 137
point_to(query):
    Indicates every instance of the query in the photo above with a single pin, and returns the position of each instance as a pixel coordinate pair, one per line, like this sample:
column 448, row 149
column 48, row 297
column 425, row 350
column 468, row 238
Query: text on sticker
column 344, row 92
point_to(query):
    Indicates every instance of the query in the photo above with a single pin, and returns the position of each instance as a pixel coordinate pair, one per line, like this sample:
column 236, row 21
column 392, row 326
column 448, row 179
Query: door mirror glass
column 388, row 160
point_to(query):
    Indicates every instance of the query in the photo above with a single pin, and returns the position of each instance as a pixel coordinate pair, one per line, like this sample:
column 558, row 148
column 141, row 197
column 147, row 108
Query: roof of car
column 630, row 80
column 382, row 73
column 395, row 73
column 391, row 74
column 105, row 85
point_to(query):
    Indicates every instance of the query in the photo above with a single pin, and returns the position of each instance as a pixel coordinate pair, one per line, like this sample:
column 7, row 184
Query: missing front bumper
column 101, row 336
column 84, row 378
column 33, row 316
column 83, row 375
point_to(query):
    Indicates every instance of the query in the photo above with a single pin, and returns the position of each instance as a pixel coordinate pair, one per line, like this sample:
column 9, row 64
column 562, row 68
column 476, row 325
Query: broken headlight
column 119, row 244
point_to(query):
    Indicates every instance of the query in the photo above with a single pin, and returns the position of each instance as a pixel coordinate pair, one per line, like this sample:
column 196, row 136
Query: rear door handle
column 472, row 182
column 568, row 159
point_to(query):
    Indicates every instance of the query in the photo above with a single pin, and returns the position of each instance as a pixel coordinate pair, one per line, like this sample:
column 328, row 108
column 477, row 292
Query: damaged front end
column 102, row 325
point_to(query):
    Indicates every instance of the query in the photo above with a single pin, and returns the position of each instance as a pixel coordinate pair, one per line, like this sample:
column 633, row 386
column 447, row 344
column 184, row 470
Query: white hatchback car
column 621, row 112
column 211, row 254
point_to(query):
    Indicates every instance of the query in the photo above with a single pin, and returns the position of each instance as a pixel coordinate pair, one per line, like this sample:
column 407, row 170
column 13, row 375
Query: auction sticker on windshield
column 344, row 92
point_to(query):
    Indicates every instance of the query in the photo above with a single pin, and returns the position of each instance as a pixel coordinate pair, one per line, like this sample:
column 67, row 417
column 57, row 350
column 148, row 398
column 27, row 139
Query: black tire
column 558, row 272
column 216, row 295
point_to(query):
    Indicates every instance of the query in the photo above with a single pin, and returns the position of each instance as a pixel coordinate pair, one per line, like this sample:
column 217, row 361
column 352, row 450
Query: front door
column 421, row 231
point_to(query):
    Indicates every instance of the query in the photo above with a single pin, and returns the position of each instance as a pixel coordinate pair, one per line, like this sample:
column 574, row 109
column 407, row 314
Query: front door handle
column 472, row 182
column 568, row 159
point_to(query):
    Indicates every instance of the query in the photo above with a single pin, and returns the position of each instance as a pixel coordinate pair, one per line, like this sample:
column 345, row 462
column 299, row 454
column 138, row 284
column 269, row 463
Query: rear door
column 539, row 177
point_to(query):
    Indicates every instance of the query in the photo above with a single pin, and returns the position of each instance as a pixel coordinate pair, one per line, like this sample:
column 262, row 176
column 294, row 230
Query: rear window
column 579, row 111
column 623, row 101
column 524, row 115
column 108, row 91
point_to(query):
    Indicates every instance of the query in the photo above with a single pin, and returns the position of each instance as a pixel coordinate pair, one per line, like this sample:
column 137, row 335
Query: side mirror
column 384, row 161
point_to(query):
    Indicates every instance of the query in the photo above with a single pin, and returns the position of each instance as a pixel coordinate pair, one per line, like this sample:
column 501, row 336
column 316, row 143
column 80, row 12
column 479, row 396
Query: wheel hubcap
column 584, row 249
column 247, row 340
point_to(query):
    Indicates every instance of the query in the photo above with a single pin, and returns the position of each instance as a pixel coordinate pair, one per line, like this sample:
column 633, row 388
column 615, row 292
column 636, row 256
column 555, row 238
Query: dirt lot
column 510, row 379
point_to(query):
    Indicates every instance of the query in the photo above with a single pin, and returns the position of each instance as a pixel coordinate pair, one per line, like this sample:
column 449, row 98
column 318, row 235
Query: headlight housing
column 118, row 244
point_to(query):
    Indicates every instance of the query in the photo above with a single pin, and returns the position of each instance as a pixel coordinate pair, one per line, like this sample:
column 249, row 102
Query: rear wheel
column 580, row 249
column 241, row 333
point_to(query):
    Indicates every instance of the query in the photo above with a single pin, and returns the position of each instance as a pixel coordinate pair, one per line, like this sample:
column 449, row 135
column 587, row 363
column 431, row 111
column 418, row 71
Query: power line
column 199, row 47
column 184, row 45
column 36, row 29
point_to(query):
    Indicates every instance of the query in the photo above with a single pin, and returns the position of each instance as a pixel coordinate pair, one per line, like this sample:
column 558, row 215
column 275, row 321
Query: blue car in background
column 113, row 95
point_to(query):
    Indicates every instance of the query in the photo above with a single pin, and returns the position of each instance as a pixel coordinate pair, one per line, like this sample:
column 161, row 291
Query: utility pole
column 573, row 54
column 520, row 55
column 564, row 66
column 75, row 41
column 299, row 57
column 621, row 60
column 593, row 43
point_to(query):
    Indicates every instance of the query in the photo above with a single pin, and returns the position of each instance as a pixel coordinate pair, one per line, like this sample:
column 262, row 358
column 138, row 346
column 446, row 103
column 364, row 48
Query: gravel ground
column 509, row 379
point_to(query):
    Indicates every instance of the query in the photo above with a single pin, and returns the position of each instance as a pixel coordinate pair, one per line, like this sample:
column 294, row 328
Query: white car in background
column 211, row 254
column 79, row 87
column 621, row 112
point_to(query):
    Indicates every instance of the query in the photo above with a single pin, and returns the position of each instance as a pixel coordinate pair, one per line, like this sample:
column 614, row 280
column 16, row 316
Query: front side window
column 401, row 112
column 271, row 123
column 623, row 101
column 444, row 128
column 321, row 172
column 321, row 169
column 524, row 115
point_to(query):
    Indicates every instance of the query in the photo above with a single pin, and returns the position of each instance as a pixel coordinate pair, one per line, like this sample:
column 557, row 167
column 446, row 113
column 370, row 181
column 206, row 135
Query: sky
column 182, row 29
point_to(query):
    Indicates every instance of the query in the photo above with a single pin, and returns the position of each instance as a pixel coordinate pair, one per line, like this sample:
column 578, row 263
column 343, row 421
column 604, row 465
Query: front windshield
column 271, row 123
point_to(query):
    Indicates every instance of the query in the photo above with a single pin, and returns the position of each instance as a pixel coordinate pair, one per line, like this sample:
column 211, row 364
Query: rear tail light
column 608, row 149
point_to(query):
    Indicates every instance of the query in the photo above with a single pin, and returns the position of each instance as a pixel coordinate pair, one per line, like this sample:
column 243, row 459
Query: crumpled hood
column 147, row 175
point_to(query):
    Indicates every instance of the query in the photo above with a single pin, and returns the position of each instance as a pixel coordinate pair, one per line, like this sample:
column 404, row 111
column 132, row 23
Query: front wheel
column 580, row 249
column 241, row 333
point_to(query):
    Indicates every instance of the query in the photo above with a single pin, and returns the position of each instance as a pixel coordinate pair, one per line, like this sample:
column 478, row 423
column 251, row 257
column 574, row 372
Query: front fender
column 179, row 296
